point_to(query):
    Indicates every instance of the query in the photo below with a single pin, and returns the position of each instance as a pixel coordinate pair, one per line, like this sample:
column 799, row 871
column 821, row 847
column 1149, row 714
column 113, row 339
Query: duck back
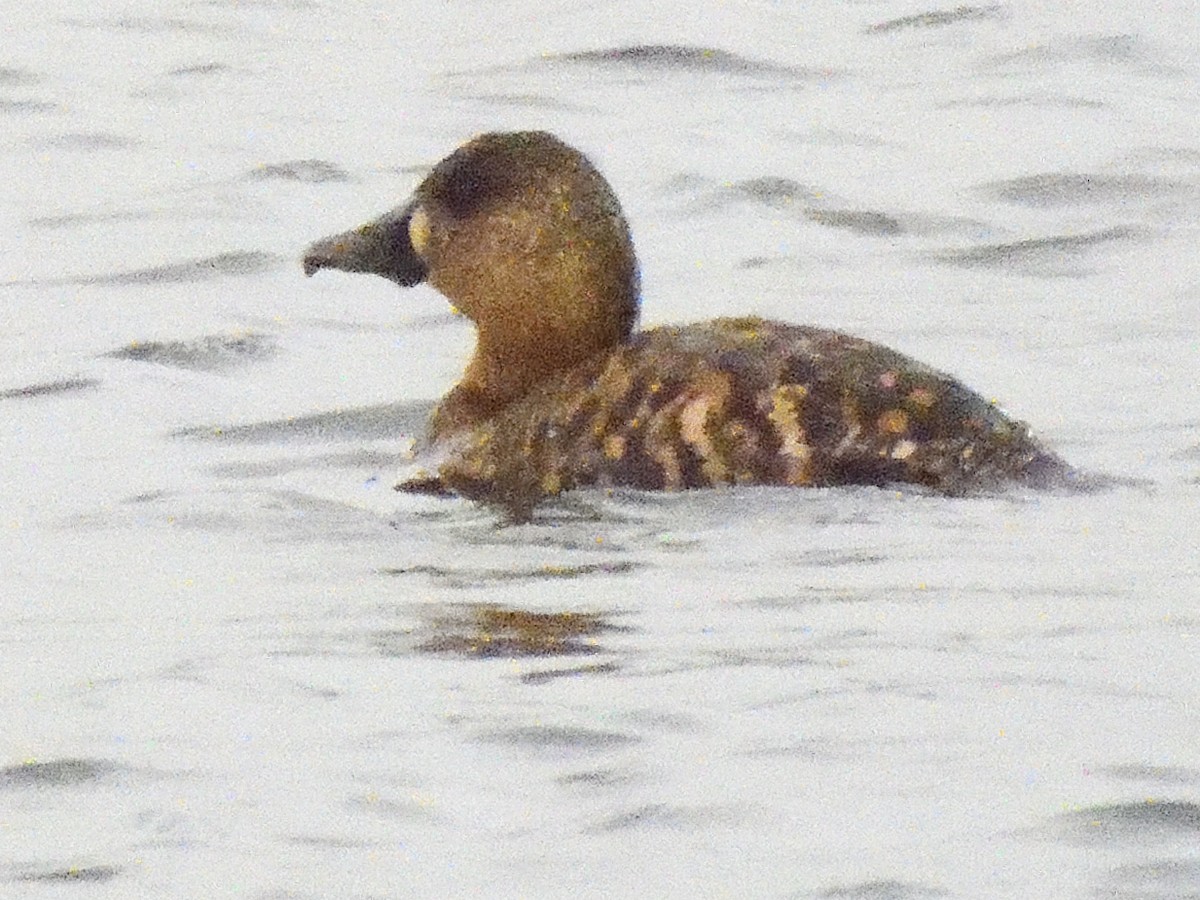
column 744, row 401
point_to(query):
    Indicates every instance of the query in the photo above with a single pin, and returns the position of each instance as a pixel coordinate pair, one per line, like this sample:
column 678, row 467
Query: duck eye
column 418, row 230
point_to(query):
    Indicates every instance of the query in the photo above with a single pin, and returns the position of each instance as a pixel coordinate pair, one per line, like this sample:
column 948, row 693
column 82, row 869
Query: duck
column 524, row 236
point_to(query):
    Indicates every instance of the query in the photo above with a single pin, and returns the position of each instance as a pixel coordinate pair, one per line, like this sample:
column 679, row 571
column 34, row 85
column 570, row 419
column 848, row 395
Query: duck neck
column 507, row 366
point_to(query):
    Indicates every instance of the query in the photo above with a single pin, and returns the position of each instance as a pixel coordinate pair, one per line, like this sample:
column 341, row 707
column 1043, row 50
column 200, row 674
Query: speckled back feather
column 737, row 401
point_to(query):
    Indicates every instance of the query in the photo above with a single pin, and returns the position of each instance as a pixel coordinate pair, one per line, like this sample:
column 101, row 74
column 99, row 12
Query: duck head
column 523, row 236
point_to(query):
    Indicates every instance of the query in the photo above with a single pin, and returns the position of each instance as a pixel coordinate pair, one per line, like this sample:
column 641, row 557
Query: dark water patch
column 380, row 422
column 481, row 577
column 490, row 631
column 685, row 58
column 1037, row 256
column 561, row 738
column 13, row 76
column 548, row 675
column 92, row 874
column 353, row 459
column 1153, row 774
column 211, row 68
column 1164, row 879
column 861, row 221
column 937, row 18
column 885, row 889
column 1070, row 189
column 211, row 353
column 50, row 388
column 25, row 106
column 309, row 171
column 67, row 772
column 1136, row 822
column 92, row 140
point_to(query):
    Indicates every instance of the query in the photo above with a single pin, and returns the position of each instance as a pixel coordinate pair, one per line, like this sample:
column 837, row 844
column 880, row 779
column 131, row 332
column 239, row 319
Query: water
column 236, row 664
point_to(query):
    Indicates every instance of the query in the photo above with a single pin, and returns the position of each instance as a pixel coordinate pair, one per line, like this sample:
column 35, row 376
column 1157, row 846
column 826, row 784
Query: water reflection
column 488, row 631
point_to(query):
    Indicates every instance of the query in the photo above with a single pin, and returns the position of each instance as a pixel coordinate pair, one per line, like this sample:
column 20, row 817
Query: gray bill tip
column 312, row 262
column 323, row 254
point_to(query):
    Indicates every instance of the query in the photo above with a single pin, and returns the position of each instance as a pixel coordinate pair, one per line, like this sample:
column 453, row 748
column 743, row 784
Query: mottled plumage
column 524, row 236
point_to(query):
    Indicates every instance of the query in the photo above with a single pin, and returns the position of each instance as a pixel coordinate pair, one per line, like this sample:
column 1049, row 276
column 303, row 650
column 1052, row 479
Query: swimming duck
column 524, row 236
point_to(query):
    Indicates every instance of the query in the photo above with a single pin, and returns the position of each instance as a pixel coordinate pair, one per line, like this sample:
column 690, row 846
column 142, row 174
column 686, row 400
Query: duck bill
column 382, row 247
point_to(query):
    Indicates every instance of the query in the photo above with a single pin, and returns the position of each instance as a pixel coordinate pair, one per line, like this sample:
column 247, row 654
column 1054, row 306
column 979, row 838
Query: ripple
column 69, row 220
column 1137, row 821
column 1037, row 256
column 310, row 171
column 781, row 193
column 770, row 190
column 1164, row 879
column 379, row 422
column 883, row 890
column 667, row 816
column 240, row 263
column 861, row 221
column 66, row 772
column 452, row 577
column 685, row 58
column 212, row 353
column 1109, row 49
column 937, row 18
column 223, row 265
column 1154, row 774
column 94, row 874
column 152, row 25
column 212, row 68
column 353, row 459
column 560, row 737
column 50, row 388
column 1070, row 189
column 547, row 675
column 90, row 140
column 530, row 101
column 25, row 106
column 11, row 76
